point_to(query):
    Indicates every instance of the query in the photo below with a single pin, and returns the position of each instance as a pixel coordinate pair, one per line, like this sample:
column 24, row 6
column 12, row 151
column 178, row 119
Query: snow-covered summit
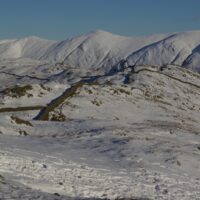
column 97, row 49
column 103, row 50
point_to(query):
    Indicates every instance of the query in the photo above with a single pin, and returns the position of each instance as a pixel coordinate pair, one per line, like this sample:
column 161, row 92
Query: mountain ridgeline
column 100, row 50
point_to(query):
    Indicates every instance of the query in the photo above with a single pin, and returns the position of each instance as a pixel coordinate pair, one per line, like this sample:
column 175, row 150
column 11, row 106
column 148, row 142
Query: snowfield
column 100, row 116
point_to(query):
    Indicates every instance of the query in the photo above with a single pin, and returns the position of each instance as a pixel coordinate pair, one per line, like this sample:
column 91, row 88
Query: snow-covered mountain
column 178, row 49
column 97, row 49
column 100, row 50
column 100, row 116
column 30, row 47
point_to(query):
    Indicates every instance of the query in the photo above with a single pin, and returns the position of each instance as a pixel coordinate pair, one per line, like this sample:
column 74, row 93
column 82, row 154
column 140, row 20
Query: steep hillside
column 176, row 49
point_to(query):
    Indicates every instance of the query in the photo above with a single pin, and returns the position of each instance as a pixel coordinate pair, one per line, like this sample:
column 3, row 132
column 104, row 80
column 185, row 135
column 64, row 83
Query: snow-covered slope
column 97, row 49
column 130, row 134
column 174, row 49
column 102, row 50
column 193, row 60
column 30, row 47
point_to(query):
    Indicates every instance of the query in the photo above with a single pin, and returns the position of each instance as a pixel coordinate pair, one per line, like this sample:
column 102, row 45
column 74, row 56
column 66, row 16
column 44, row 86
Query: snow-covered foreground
column 147, row 164
column 105, row 164
column 130, row 134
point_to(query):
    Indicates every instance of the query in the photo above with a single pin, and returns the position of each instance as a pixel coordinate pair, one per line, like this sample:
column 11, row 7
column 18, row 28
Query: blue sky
column 60, row 19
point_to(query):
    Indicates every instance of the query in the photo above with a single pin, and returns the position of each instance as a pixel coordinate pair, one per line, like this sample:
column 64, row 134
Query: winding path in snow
column 20, row 109
column 69, row 92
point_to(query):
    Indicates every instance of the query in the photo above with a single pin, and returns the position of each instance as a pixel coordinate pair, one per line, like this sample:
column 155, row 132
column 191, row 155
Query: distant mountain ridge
column 100, row 49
